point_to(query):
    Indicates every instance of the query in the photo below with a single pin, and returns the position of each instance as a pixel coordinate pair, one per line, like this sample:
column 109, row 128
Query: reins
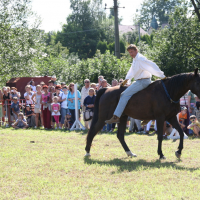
column 168, row 93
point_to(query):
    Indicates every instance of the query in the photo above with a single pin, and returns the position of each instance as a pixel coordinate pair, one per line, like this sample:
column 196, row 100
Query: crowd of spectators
column 53, row 106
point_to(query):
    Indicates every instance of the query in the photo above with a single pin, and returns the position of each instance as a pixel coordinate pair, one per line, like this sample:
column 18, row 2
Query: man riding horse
column 141, row 70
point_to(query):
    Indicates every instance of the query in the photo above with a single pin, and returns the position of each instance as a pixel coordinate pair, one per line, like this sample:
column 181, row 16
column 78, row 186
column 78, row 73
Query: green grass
column 54, row 167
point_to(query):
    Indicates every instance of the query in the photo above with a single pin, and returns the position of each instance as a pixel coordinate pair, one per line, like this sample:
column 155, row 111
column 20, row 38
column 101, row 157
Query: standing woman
column 46, row 107
column 71, row 101
column 6, row 99
column 1, row 104
column 64, row 107
column 36, row 98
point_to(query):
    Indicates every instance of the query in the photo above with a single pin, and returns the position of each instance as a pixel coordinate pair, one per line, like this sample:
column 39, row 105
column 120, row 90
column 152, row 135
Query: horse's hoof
column 129, row 153
column 163, row 158
column 87, row 155
column 178, row 155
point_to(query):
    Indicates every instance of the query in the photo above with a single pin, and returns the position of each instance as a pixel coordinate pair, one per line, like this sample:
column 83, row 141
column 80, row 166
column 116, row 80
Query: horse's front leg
column 160, row 124
column 174, row 122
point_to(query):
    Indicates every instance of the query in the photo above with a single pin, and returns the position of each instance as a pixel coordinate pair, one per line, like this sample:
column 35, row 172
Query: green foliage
column 161, row 9
column 130, row 37
column 145, row 38
column 102, row 46
column 176, row 48
column 71, row 69
column 196, row 5
column 82, row 32
column 20, row 42
column 107, row 30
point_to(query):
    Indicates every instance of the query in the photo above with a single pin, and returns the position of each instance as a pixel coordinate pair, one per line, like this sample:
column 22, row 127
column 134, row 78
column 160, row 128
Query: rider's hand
column 123, row 83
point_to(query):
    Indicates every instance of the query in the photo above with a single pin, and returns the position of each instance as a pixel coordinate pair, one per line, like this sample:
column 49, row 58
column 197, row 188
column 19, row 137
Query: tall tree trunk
column 196, row 8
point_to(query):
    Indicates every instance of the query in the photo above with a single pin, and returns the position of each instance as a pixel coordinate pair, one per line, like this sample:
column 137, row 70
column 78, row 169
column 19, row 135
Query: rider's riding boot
column 114, row 119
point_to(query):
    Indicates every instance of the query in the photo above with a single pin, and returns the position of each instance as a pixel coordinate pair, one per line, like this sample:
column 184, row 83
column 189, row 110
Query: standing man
column 84, row 94
column 141, row 70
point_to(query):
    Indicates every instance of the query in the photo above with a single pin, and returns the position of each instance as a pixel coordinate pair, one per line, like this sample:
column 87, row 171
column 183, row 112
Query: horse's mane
column 174, row 83
column 178, row 81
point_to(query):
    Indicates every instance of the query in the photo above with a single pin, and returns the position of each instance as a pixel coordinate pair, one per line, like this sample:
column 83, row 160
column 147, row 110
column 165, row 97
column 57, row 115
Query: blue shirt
column 15, row 106
column 89, row 100
column 71, row 105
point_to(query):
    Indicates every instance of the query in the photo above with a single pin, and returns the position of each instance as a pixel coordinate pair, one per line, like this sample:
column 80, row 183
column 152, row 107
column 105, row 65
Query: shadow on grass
column 137, row 165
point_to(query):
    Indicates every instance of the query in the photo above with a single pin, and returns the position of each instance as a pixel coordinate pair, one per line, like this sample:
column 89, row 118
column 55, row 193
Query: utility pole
column 139, row 30
column 117, row 46
column 138, row 27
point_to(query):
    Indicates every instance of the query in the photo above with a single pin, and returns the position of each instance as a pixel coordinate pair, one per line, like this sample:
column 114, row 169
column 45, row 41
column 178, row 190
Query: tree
column 82, row 32
column 176, row 48
column 72, row 69
column 20, row 42
column 102, row 46
column 196, row 5
column 161, row 9
column 130, row 37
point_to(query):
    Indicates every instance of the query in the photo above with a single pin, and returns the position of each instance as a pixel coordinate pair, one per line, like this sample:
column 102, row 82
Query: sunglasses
column 87, row 82
column 71, row 85
column 120, row 81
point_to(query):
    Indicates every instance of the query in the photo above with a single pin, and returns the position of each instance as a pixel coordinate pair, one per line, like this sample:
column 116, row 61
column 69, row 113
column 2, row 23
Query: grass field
column 53, row 167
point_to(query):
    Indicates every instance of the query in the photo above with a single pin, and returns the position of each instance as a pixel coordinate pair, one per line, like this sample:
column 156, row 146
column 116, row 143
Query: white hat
column 53, row 76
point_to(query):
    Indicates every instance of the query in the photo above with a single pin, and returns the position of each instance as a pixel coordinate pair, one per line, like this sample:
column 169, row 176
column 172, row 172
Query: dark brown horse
column 149, row 104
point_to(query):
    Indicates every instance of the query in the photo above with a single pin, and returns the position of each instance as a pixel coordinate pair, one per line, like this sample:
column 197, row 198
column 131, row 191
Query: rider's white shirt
column 143, row 68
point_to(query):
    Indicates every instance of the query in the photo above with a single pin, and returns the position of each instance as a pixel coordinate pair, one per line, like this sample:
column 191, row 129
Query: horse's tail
column 92, row 132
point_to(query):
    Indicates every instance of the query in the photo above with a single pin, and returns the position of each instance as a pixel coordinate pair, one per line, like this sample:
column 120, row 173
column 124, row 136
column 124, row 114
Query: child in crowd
column 15, row 108
column 55, row 107
column 53, row 78
column 20, row 122
column 30, row 116
column 68, row 121
column 28, row 95
column 182, row 117
column 195, row 125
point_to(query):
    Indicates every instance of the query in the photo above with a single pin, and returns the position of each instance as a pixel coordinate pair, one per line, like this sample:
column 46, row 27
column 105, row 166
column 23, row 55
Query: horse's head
column 195, row 85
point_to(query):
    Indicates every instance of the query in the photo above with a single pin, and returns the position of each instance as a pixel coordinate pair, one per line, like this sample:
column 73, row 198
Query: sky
column 54, row 12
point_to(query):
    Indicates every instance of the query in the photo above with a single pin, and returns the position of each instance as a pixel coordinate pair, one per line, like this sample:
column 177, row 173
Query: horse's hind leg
column 120, row 135
column 160, row 124
column 173, row 121
column 94, row 129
